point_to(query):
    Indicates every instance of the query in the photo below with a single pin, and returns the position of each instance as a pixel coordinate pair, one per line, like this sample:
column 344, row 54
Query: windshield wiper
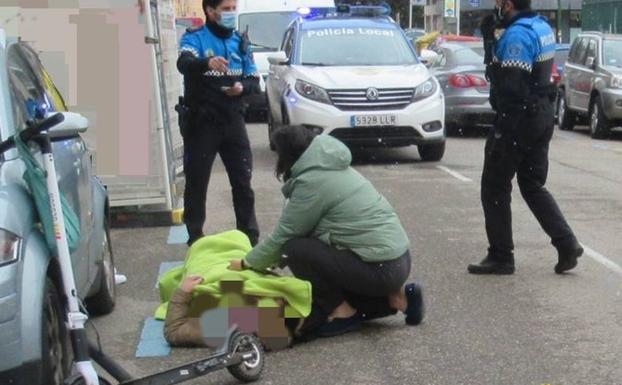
column 315, row 64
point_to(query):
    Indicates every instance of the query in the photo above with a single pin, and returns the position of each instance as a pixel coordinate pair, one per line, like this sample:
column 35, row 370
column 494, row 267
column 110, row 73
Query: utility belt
column 188, row 113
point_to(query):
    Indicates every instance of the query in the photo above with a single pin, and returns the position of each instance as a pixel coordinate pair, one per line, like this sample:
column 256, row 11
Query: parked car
column 33, row 344
column 561, row 55
column 591, row 88
column 355, row 76
column 461, row 73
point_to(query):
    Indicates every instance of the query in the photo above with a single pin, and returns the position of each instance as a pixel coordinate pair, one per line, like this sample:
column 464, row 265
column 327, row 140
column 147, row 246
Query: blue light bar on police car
column 304, row 11
column 364, row 10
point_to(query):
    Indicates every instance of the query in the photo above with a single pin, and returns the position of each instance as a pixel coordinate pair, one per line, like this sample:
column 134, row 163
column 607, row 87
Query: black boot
column 491, row 265
column 567, row 257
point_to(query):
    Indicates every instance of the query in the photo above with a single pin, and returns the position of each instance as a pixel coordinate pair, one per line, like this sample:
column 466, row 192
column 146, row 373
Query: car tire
column 103, row 301
column 432, row 152
column 565, row 117
column 599, row 124
column 55, row 362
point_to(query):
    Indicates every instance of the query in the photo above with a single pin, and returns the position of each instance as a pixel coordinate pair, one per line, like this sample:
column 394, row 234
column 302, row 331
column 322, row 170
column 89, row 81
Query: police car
column 353, row 74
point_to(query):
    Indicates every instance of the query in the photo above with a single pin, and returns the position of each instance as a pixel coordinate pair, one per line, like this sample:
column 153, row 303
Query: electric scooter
column 241, row 354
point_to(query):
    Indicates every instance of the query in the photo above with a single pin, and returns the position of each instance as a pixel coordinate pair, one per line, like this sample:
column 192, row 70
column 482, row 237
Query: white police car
column 353, row 74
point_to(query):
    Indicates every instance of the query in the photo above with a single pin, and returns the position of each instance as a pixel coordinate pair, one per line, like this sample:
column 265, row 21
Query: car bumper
column 408, row 127
column 469, row 111
column 612, row 104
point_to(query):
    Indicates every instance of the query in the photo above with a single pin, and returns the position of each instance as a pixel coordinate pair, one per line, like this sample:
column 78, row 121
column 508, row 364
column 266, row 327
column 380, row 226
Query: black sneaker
column 567, row 259
column 415, row 310
column 491, row 266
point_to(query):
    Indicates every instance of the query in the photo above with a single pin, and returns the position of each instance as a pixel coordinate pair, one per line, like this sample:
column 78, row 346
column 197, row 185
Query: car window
column 591, row 51
column 28, row 95
column 574, row 51
column 560, row 56
column 355, row 46
column 612, row 53
column 579, row 57
column 466, row 56
column 441, row 60
column 288, row 43
column 53, row 94
column 266, row 28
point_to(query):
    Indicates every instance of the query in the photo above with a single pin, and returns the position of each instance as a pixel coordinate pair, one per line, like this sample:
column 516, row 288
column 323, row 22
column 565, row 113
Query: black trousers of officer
column 519, row 145
column 201, row 144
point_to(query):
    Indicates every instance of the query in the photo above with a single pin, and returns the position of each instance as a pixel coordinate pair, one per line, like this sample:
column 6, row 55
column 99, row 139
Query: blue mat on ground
column 177, row 235
column 152, row 342
column 166, row 266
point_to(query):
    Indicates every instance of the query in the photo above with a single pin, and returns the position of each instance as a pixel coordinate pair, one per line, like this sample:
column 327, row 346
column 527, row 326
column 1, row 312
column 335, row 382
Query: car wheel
column 104, row 300
column 565, row 117
column 54, row 352
column 432, row 152
column 599, row 124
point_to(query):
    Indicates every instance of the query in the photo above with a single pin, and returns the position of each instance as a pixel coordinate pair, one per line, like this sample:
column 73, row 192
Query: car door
column 79, row 160
column 277, row 75
column 574, row 70
column 31, row 99
column 586, row 76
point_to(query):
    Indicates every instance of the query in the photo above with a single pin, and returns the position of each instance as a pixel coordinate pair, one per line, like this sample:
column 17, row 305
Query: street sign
column 450, row 8
column 475, row 3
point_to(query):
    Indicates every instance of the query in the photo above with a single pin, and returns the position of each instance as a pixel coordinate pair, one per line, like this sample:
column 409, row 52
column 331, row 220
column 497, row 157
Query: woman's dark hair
column 290, row 142
column 521, row 5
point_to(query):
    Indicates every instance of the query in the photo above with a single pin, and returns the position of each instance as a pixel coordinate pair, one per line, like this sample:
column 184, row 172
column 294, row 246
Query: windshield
column 266, row 29
column 612, row 53
column 359, row 46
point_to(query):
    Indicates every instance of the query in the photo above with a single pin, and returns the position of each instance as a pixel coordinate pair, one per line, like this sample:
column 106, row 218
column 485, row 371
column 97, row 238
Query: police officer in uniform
column 218, row 71
column 520, row 49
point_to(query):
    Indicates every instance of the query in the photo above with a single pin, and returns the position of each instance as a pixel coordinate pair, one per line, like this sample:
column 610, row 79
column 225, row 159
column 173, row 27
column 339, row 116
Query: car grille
column 357, row 100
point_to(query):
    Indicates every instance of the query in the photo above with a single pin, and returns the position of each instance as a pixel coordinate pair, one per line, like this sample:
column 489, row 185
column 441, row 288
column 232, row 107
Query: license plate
column 373, row 120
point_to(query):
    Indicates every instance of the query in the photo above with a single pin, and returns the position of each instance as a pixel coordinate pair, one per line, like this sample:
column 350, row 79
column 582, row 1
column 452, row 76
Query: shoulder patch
column 194, row 28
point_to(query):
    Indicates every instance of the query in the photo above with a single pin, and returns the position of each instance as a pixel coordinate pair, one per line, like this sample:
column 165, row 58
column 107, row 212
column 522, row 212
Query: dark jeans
column 520, row 149
column 201, row 144
column 341, row 275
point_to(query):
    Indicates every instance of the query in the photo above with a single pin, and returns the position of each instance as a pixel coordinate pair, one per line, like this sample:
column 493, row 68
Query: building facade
column 472, row 11
column 602, row 15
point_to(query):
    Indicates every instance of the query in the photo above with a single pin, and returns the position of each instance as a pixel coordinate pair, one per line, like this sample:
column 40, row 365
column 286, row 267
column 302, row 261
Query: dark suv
column 591, row 88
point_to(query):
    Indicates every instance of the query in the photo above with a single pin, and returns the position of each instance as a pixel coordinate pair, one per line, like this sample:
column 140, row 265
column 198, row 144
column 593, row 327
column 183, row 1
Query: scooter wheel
column 79, row 380
column 249, row 369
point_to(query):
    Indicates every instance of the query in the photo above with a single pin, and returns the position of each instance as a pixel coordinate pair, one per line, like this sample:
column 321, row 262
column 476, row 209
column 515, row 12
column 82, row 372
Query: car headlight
column 616, row 82
column 425, row 90
column 311, row 91
column 8, row 247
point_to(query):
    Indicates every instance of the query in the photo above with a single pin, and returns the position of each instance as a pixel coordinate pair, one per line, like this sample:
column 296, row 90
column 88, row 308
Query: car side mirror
column 278, row 59
column 428, row 57
column 73, row 125
column 591, row 62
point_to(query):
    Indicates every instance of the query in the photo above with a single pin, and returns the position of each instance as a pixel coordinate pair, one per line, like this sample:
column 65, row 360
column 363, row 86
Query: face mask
column 228, row 19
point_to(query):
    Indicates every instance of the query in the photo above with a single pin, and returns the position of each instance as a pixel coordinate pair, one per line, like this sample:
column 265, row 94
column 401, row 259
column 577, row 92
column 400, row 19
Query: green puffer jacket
column 329, row 200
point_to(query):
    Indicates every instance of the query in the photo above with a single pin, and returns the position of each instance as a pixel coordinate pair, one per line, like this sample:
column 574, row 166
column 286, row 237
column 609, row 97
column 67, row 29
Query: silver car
column 460, row 72
column 591, row 87
column 33, row 344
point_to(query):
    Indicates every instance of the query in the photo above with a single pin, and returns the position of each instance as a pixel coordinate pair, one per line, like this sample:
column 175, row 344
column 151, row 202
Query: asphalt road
column 530, row 328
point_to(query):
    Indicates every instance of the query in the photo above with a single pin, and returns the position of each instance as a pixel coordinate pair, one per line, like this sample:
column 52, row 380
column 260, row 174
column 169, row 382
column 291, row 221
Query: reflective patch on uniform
column 235, row 56
column 235, row 72
column 193, row 51
column 546, row 56
column 516, row 64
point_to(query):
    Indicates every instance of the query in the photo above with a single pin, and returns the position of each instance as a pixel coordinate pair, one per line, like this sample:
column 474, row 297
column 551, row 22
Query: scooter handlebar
column 32, row 131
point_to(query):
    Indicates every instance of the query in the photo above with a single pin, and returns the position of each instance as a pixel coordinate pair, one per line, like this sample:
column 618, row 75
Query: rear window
column 467, row 56
column 561, row 56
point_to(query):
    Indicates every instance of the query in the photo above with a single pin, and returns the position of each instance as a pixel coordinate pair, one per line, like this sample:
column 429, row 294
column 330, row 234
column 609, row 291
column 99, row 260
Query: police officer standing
column 218, row 71
column 520, row 49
